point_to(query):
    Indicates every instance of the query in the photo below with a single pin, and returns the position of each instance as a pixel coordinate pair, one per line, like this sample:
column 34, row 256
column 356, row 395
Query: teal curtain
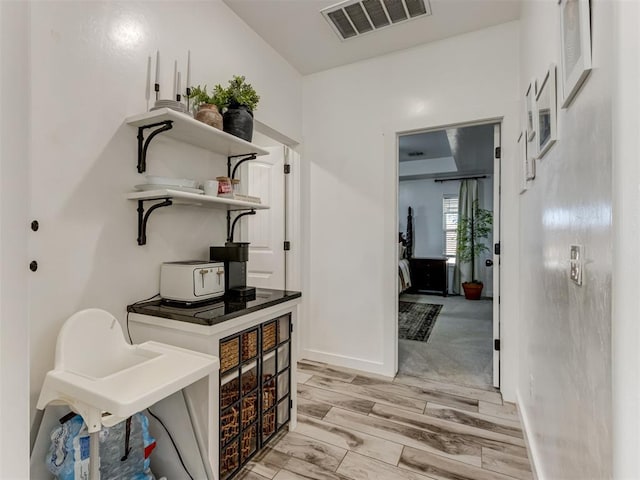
column 467, row 197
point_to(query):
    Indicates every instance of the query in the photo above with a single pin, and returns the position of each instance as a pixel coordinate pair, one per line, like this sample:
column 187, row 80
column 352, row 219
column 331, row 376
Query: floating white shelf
column 182, row 127
column 196, row 199
column 194, row 132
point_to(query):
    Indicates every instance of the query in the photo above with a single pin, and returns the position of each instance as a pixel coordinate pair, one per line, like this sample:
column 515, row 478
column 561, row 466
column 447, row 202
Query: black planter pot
column 238, row 121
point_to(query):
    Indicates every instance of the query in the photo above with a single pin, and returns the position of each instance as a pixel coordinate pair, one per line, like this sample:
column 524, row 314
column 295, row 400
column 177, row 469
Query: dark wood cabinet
column 255, row 389
column 429, row 275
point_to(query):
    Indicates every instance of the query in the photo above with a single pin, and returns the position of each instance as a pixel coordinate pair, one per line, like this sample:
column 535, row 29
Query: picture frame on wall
column 575, row 38
column 530, row 167
column 546, row 112
column 529, row 114
column 522, row 154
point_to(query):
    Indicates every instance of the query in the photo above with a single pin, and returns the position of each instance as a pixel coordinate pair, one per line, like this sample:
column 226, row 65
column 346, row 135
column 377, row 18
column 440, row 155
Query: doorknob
column 488, row 262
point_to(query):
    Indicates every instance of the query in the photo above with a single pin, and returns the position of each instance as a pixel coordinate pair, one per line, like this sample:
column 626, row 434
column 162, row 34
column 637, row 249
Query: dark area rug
column 416, row 320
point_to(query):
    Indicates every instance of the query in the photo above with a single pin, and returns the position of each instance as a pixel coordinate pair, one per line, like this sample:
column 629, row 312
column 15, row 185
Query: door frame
column 293, row 220
column 245, row 222
column 497, row 206
column 497, row 220
column 15, row 164
column 292, row 204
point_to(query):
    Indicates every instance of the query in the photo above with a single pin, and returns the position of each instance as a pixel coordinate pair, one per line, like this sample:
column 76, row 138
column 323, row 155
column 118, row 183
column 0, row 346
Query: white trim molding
column 529, row 439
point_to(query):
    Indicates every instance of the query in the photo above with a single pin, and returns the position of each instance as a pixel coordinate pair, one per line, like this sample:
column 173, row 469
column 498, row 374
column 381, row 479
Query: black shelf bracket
column 243, row 158
column 143, row 144
column 143, row 217
column 231, row 226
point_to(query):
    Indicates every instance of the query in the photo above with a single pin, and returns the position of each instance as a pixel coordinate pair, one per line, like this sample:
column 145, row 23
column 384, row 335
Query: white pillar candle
column 158, row 66
column 147, row 92
column 188, row 85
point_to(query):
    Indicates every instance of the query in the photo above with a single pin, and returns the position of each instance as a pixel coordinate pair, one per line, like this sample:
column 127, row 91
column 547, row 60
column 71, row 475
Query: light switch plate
column 575, row 264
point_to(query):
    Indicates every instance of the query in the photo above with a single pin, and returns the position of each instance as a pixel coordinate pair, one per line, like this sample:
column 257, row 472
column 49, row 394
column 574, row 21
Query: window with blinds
column 450, row 225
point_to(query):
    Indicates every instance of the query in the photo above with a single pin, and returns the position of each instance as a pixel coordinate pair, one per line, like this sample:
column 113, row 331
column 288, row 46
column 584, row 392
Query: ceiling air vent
column 355, row 17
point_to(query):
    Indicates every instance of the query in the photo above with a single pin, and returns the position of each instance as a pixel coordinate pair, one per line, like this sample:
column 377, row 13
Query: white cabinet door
column 266, row 229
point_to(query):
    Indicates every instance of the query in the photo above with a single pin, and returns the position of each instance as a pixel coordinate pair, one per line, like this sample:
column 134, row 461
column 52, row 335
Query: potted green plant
column 472, row 230
column 240, row 100
column 208, row 107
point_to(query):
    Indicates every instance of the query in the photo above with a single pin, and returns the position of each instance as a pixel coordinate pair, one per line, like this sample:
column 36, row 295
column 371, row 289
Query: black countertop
column 218, row 310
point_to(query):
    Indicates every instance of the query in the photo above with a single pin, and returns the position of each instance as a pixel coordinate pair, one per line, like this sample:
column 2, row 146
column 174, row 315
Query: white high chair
column 105, row 380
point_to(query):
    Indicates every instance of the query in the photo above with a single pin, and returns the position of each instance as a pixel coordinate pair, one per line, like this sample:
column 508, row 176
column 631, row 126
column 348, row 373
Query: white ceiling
column 420, row 146
column 297, row 30
column 469, row 149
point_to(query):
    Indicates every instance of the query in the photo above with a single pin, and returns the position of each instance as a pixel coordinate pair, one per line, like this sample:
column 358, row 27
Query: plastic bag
column 124, row 450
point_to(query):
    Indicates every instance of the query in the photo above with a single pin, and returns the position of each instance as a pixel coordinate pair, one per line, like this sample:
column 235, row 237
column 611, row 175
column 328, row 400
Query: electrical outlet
column 576, row 264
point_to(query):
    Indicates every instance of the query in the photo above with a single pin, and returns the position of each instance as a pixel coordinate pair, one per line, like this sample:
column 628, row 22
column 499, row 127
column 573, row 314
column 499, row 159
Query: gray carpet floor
column 459, row 349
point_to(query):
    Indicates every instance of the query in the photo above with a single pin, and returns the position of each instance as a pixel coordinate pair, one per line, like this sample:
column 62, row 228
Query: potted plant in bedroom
column 240, row 100
column 472, row 230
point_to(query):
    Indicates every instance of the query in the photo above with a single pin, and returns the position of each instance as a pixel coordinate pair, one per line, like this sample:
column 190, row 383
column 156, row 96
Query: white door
column 496, row 257
column 266, row 229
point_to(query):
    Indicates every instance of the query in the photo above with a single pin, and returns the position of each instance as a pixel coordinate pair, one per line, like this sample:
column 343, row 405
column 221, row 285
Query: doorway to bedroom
column 448, row 195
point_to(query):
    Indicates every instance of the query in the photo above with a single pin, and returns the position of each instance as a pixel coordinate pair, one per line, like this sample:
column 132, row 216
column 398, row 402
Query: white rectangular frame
column 575, row 25
column 522, row 160
column 530, row 166
column 529, row 110
column 548, row 84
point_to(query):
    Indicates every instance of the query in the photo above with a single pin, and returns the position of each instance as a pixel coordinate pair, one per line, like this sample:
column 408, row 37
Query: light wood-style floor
column 357, row 427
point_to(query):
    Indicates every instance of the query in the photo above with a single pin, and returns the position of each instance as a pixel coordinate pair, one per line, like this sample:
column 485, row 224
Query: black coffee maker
column 235, row 256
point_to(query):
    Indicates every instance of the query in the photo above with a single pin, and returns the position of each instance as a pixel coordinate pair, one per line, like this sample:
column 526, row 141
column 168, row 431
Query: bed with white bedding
column 404, row 276
column 405, row 251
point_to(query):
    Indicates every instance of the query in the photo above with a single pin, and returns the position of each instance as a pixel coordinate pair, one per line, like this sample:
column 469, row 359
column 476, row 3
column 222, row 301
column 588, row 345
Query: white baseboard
column 529, row 439
column 367, row 366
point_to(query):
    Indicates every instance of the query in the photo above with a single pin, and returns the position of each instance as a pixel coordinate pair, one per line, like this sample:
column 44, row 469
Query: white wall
column 351, row 117
column 88, row 62
column 14, row 202
column 564, row 385
column 425, row 199
column 625, row 328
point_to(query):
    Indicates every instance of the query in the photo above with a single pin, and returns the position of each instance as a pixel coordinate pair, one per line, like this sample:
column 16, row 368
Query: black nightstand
column 429, row 275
